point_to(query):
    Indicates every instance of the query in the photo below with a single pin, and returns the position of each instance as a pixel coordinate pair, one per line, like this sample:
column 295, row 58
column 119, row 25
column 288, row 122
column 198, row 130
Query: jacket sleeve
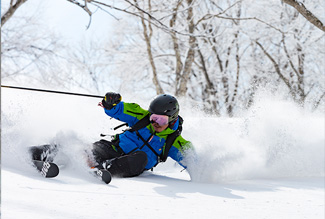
column 179, row 150
column 130, row 113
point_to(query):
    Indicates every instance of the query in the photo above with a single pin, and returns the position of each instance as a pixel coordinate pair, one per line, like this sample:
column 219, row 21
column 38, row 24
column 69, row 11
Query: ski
column 105, row 175
column 47, row 169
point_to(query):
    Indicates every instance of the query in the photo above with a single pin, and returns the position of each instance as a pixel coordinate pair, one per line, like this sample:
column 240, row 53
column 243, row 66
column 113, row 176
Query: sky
column 67, row 19
column 72, row 21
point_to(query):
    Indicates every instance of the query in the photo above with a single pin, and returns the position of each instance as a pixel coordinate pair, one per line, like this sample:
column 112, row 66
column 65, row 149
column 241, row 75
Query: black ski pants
column 122, row 165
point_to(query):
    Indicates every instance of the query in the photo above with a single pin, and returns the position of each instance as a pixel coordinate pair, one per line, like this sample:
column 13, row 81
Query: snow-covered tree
column 218, row 53
column 215, row 53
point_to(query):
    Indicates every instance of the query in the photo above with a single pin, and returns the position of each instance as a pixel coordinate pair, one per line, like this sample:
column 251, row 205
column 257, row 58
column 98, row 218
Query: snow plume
column 274, row 139
column 34, row 118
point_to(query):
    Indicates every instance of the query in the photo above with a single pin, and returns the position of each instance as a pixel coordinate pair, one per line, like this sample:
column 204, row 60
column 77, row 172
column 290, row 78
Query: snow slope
column 267, row 164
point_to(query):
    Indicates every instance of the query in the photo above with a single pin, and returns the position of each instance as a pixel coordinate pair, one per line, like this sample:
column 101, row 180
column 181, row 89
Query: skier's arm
column 180, row 149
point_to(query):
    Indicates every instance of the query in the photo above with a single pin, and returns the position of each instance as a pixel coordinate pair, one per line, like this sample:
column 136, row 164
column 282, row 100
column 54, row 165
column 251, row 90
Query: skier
column 153, row 135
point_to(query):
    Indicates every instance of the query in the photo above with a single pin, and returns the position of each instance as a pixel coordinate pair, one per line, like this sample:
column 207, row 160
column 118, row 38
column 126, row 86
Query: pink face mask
column 160, row 119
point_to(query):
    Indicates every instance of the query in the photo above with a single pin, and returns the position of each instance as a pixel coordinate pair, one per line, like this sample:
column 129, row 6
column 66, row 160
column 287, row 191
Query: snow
column 269, row 163
column 156, row 196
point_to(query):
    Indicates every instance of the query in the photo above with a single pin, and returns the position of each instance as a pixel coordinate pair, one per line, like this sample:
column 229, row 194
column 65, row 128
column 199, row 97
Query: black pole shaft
column 52, row 91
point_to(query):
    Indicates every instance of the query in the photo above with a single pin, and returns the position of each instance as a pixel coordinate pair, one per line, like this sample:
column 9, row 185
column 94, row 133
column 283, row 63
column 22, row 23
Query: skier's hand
column 110, row 100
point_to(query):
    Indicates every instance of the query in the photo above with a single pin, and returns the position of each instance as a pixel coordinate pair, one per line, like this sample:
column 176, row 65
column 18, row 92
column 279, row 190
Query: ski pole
column 52, row 91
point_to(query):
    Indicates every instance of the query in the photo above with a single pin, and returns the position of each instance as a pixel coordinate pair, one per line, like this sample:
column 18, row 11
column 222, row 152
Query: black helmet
column 165, row 104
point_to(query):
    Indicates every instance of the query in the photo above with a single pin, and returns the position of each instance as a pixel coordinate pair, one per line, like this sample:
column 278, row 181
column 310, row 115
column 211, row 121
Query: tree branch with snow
column 300, row 7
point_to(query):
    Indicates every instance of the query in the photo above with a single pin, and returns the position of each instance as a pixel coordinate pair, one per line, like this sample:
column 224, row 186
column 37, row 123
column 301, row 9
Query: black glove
column 111, row 99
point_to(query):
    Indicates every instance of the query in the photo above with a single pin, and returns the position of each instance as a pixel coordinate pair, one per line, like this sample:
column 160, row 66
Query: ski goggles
column 160, row 119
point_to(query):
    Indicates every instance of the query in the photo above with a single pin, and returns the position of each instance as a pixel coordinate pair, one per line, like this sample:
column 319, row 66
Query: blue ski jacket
column 131, row 113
